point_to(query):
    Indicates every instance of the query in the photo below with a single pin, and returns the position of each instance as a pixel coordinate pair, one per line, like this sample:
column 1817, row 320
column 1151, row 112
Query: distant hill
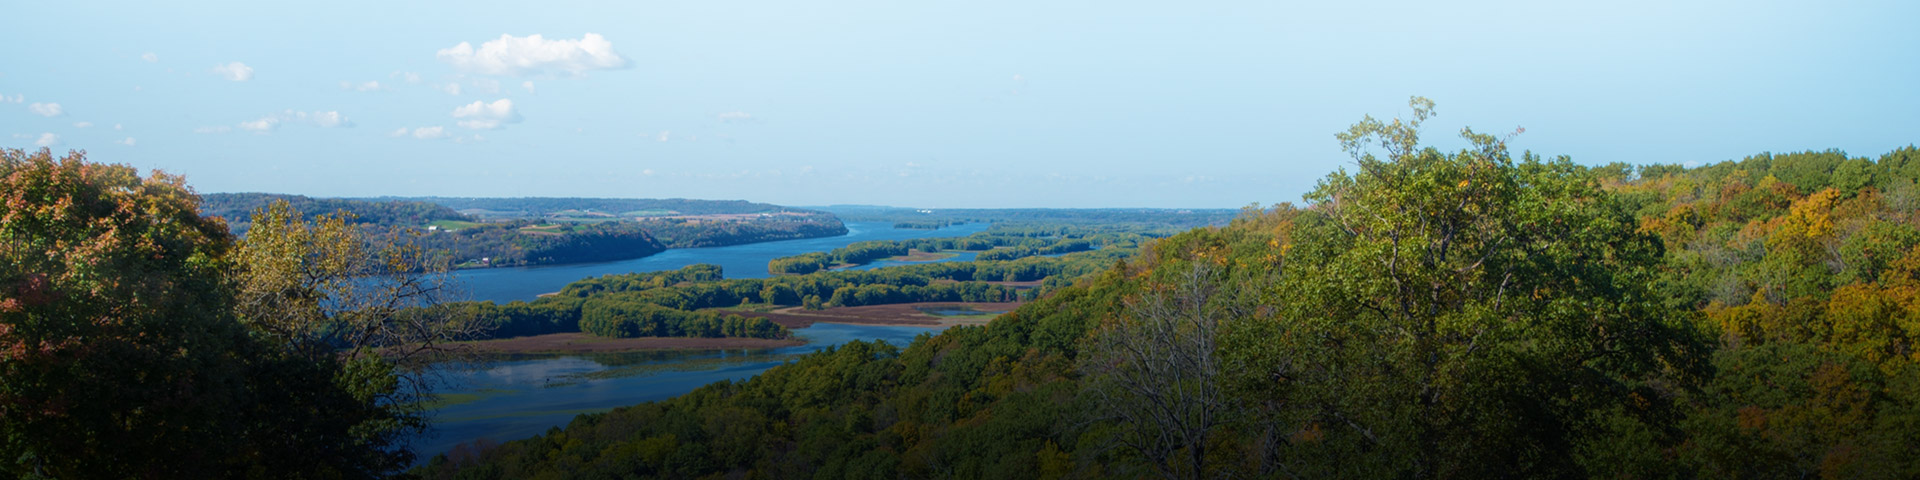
column 545, row 206
column 238, row 208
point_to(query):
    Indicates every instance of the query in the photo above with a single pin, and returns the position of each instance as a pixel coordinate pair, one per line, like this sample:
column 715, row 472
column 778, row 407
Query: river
column 515, row 397
column 503, row 285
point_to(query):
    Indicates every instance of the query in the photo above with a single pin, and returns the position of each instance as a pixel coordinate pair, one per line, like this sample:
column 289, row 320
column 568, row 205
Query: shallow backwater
column 520, row 396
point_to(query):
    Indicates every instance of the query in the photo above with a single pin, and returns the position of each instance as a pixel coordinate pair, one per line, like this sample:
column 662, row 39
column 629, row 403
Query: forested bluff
column 502, row 232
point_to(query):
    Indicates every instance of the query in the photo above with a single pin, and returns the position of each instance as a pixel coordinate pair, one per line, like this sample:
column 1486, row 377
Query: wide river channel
column 514, row 397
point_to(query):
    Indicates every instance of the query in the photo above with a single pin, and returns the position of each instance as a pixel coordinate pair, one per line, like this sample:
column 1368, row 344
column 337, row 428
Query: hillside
column 1435, row 315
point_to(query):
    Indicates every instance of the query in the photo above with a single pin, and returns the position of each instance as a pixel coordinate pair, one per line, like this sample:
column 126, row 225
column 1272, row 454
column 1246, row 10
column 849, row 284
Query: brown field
column 587, row 343
column 915, row 255
column 791, row 317
column 899, row 314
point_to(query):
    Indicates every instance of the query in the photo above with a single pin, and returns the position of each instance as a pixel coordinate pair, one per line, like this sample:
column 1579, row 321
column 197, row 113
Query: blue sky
column 925, row 103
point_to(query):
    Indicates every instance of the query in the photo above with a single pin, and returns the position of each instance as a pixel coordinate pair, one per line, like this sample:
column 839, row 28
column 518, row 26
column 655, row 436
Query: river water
column 503, row 285
column 515, row 397
column 520, row 396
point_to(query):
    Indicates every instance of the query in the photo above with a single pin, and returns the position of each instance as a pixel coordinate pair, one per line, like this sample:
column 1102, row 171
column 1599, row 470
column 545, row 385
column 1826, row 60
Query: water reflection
column 517, row 396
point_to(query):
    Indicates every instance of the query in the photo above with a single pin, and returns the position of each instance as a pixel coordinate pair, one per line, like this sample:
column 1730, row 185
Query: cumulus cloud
column 430, row 133
column 13, row 99
column 46, row 140
column 150, row 57
column 82, row 124
column 328, row 119
column 128, row 141
column 46, row 109
column 234, row 71
column 665, row 135
column 366, row 86
column 730, row 117
column 263, row 125
column 409, row 77
column 533, row 54
column 527, row 85
column 487, row 116
column 451, row 88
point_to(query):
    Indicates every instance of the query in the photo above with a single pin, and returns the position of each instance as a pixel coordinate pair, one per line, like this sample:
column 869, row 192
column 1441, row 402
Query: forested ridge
column 1464, row 314
column 543, row 231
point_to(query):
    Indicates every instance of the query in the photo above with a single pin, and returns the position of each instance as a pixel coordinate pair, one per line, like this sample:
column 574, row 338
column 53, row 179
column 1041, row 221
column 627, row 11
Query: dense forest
column 141, row 339
column 1463, row 314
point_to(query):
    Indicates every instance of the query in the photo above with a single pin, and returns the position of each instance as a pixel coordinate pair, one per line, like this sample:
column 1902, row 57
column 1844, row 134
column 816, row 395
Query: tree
column 114, row 337
column 1155, row 371
column 329, row 291
column 123, row 353
column 1463, row 315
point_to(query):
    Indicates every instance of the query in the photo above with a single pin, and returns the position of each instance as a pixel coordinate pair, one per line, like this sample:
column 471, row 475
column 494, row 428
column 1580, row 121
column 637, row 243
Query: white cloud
column 128, row 141
column 647, row 172
column 218, row 129
column 47, row 140
column 430, row 133
column 150, row 57
column 451, row 88
column 330, row 119
column 533, row 54
column 398, row 133
column 367, row 86
column 82, row 124
column 410, row 77
column 485, row 116
column 13, row 99
column 263, row 125
column 666, row 135
column 46, row 109
column 327, row 119
column 116, row 126
column 527, row 85
column 736, row 117
column 234, row 71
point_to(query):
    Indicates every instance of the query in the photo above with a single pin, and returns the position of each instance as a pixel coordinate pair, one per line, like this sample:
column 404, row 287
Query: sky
column 982, row 103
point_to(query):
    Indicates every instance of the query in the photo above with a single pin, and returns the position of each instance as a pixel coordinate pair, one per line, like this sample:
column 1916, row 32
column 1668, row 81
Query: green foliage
column 122, row 355
column 1431, row 315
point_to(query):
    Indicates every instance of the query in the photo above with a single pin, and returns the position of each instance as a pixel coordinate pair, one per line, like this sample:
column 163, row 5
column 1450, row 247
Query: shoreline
column 794, row 318
column 581, row 342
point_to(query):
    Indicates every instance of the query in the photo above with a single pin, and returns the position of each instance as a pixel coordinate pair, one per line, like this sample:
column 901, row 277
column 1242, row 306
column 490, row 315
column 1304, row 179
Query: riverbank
column 928, row 314
column 578, row 342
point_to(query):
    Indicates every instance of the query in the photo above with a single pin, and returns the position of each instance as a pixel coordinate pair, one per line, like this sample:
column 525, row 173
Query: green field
column 451, row 225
